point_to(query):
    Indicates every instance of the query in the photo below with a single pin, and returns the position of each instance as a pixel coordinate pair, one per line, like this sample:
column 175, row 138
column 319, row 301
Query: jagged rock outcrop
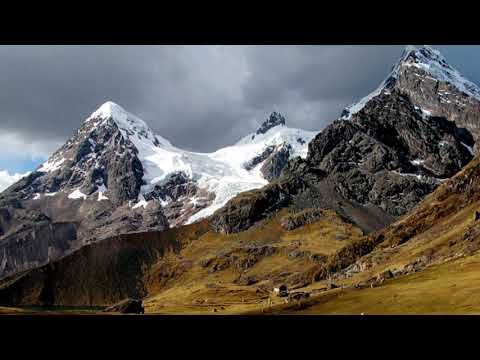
column 273, row 160
column 127, row 306
column 308, row 216
column 252, row 163
column 275, row 119
column 247, row 208
column 272, row 167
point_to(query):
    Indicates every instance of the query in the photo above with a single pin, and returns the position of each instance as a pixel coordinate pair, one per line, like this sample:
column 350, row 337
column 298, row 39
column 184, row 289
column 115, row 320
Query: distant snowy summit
column 424, row 74
column 275, row 119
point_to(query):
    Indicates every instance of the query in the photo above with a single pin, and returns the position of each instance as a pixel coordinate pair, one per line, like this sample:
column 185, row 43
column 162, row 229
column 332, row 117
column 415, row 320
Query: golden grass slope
column 451, row 288
column 432, row 252
column 203, row 289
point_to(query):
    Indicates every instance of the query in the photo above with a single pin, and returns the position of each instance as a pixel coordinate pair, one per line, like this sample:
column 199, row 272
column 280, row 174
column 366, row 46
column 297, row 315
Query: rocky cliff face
column 389, row 155
column 440, row 90
column 271, row 161
column 384, row 155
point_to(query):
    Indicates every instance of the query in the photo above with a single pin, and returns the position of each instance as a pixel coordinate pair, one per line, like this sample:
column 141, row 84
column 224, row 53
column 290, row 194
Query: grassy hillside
column 451, row 288
column 238, row 271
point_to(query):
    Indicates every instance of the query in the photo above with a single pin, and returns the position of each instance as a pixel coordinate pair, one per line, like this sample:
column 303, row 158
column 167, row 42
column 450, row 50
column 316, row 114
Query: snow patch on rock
column 101, row 193
column 417, row 162
column 141, row 203
column 51, row 165
column 77, row 194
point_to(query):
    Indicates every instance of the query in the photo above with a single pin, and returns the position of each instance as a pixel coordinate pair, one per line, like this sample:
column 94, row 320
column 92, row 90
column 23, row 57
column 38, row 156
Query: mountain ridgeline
column 89, row 204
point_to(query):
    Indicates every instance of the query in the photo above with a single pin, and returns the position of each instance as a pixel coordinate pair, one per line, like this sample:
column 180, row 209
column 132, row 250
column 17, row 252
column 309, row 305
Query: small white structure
column 281, row 291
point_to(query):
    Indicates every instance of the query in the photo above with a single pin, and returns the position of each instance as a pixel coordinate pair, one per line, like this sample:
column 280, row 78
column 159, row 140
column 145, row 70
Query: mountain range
column 115, row 176
column 120, row 212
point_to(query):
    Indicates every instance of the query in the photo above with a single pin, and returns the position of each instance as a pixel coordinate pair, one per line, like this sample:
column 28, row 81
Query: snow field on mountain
column 221, row 172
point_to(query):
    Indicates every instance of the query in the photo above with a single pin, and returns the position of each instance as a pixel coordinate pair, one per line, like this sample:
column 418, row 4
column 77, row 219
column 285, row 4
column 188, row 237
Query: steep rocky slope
column 382, row 157
column 78, row 196
column 100, row 273
column 444, row 227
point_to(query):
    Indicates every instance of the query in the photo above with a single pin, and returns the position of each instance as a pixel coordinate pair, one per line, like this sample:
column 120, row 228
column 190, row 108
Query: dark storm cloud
column 198, row 97
column 47, row 91
column 323, row 79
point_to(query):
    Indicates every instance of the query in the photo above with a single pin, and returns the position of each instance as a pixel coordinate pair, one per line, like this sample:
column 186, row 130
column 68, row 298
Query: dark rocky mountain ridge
column 383, row 156
column 433, row 86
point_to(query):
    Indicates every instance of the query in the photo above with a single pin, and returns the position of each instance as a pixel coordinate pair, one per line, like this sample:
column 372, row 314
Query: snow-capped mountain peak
column 129, row 124
column 426, row 64
column 109, row 110
column 116, row 157
column 422, row 54
column 432, row 62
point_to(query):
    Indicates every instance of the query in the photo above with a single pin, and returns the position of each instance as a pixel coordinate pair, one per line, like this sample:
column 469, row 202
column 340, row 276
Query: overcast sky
column 198, row 97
